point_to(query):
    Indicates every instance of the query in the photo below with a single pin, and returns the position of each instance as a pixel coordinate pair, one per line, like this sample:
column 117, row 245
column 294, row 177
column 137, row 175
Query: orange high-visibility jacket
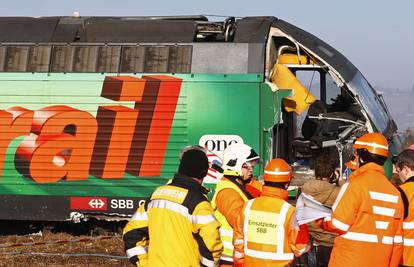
column 227, row 203
column 368, row 214
column 408, row 224
column 266, row 232
column 254, row 187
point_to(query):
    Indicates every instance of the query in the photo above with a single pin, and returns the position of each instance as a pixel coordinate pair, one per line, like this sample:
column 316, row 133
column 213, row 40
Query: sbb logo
column 122, row 204
column 218, row 143
column 88, row 203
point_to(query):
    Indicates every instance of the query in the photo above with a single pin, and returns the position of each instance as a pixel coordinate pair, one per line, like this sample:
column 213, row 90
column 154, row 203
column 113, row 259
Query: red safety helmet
column 375, row 143
column 277, row 170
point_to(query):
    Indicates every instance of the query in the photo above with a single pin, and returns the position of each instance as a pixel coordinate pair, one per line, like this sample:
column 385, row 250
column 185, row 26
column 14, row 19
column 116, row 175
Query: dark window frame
column 95, row 58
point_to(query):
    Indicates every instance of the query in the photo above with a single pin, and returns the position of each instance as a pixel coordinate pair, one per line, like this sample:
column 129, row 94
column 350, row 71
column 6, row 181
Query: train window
column 180, row 59
column 16, row 58
column 151, row 59
column 85, row 59
column 62, row 59
column 132, row 59
column 108, row 58
column 39, row 58
column 24, row 58
column 156, row 59
column 94, row 58
column 2, row 57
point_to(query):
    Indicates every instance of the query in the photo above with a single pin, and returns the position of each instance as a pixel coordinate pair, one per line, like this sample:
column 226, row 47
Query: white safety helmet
column 235, row 156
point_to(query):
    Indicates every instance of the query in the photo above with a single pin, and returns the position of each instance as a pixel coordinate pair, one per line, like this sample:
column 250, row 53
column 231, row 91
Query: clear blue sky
column 377, row 36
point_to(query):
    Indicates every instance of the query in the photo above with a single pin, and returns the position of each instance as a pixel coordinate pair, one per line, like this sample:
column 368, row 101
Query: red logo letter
column 60, row 146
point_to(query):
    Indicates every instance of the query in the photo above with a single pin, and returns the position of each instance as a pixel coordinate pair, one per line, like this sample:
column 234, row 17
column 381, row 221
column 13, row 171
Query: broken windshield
column 329, row 54
column 350, row 74
column 370, row 101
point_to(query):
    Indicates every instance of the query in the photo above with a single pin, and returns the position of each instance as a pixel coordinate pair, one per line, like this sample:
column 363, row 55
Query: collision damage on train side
column 95, row 110
column 331, row 104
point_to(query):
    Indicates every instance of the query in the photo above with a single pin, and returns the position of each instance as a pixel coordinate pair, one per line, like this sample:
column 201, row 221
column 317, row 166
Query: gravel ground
column 110, row 247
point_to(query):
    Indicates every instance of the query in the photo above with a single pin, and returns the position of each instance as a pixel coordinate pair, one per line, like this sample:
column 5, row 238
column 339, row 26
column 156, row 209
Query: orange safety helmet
column 375, row 143
column 277, row 170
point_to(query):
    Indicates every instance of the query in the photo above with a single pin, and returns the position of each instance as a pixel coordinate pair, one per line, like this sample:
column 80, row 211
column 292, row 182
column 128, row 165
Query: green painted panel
column 270, row 115
column 218, row 104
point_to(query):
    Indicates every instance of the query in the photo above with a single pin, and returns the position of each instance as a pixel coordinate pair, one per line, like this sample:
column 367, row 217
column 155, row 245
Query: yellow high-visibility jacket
column 176, row 227
column 238, row 197
column 267, row 232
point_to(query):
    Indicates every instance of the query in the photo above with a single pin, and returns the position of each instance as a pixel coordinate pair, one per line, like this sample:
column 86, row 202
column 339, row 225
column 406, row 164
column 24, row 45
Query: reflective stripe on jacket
column 368, row 212
column 266, row 233
column 135, row 237
column 177, row 229
column 226, row 230
column 408, row 224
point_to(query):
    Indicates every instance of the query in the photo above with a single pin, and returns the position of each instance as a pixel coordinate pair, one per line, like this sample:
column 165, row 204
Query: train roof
column 177, row 29
column 227, row 46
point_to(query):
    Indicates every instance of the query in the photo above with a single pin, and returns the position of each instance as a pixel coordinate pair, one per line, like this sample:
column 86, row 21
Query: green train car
column 95, row 110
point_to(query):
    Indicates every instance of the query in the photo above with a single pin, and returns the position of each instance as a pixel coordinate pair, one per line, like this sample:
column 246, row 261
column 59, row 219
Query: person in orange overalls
column 266, row 232
column 368, row 211
column 404, row 166
column 231, row 193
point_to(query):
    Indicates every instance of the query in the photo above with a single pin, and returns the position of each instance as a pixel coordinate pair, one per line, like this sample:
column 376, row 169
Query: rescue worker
column 324, row 190
column 368, row 211
column 405, row 169
column 176, row 227
column 266, row 231
column 231, row 193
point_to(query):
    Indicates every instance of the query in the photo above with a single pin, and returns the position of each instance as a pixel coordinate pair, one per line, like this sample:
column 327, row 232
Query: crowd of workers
column 248, row 223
